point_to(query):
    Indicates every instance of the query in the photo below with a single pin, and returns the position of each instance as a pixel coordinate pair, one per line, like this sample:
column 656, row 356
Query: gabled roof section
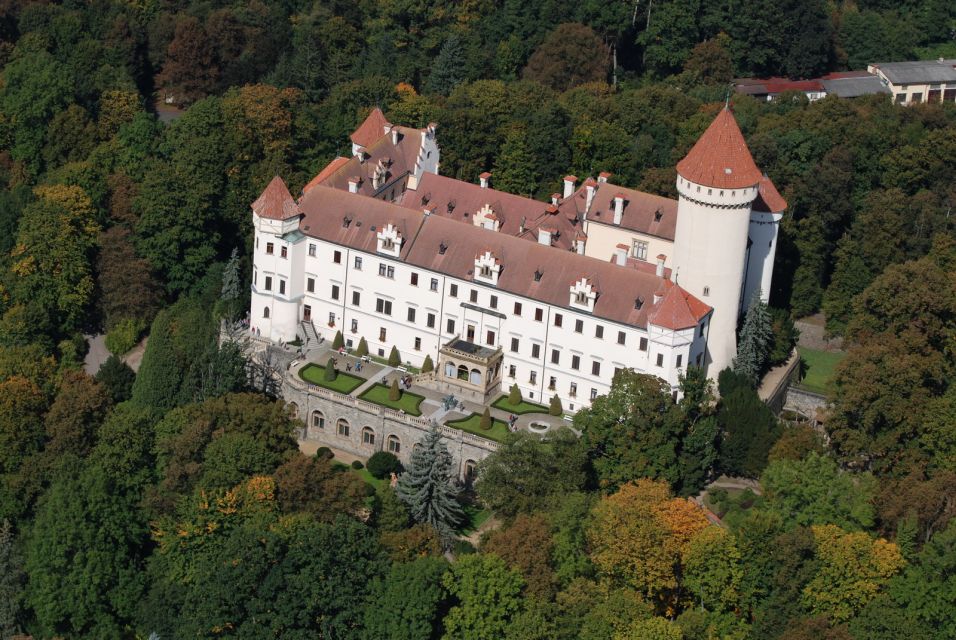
column 401, row 158
column 768, row 198
column 643, row 212
column 371, row 129
column 323, row 175
column 678, row 309
column 721, row 158
column 276, row 202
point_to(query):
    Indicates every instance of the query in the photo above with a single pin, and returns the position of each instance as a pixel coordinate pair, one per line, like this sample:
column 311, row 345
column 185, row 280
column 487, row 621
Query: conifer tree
column 485, row 422
column 362, row 349
column 11, row 579
column 556, row 408
column 514, row 396
column 427, row 489
column 756, row 338
column 428, row 366
column 338, row 341
column 394, row 359
column 448, row 68
column 230, row 278
column 330, row 372
column 394, row 393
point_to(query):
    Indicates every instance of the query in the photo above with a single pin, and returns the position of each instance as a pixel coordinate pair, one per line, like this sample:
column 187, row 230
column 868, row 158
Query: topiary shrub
column 514, row 396
column 382, row 464
column 555, row 409
column 357, row 464
column 394, row 393
column 124, row 336
column 362, row 349
column 330, row 373
column 338, row 341
column 428, row 366
column 324, row 453
column 394, row 358
column 485, row 422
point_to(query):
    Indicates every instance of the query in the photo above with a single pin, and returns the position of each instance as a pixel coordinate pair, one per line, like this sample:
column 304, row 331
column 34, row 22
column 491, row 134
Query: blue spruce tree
column 756, row 339
column 448, row 69
column 427, row 489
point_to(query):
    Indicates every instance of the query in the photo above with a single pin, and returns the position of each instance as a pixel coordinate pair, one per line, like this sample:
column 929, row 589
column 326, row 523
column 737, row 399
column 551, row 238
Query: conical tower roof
column 276, row 202
column 371, row 129
column 721, row 158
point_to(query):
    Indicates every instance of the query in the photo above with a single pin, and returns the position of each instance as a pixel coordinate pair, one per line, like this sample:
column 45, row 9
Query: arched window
column 470, row 468
column 265, row 312
column 475, row 377
column 462, row 372
column 368, row 436
column 293, row 410
column 342, row 427
column 449, row 369
column 394, row 444
column 318, row 419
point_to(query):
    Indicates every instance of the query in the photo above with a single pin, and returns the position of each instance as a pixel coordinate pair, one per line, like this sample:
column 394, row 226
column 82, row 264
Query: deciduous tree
column 488, row 596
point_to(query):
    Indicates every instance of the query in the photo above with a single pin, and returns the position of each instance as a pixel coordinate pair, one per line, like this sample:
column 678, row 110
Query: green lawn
column 518, row 409
column 819, row 368
column 409, row 401
column 343, row 383
column 364, row 474
column 497, row 432
column 475, row 516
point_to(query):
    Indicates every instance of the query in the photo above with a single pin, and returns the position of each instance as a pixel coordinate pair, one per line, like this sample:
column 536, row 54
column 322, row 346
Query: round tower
column 717, row 183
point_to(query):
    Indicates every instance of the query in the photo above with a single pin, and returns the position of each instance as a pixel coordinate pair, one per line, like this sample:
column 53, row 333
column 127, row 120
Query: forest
column 174, row 502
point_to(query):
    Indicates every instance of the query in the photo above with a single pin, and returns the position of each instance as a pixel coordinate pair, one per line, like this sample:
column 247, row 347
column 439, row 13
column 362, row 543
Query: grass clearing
column 364, row 474
column 520, row 408
column 344, row 382
column 475, row 516
column 497, row 432
column 408, row 402
column 819, row 366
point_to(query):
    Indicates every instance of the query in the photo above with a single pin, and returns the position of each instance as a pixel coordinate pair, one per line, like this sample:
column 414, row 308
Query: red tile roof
column 678, row 309
column 371, row 129
column 721, row 158
column 276, row 202
column 402, row 158
column 640, row 210
column 329, row 169
column 768, row 198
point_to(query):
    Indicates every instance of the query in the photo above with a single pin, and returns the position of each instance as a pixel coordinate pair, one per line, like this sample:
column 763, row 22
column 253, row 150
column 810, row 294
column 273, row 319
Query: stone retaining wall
column 806, row 403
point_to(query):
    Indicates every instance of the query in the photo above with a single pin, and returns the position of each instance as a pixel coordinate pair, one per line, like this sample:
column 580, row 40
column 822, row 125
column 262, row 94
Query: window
column 342, row 427
column 558, row 319
column 311, row 250
column 473, row 296
column 283, row 252
column 255, row 276
column 617, row 372
column 265, row 312
column 386, row 271
column 493, row 302
column 599, row 331
column 593, row 393
column 430, row 321
column 512, row 371
column 536, row 351
column 335, row 292
column 917, row 97
column 257, row 242
column 394, row 445
column 331, row 318
column 575, row 362
column 490, row 338
column 383, row 306
column 702, row 327
column 354, row 325
column 318, row 420
column 381, row 335
column 900, row 98
column 514, row 345
column 706, row 291
column 453, row 290
column 356, row 298
column 660, row 359
column 552, row 383
column 555, row 356
column 268, row 285
column 450, row 326
column 418, row 344
column 539, row 314
column 368, row 436
column 621, row 337
column 337, row 257
column 281, row 287
column 414, row 279
column 573, row 391
column 358, row 263
column 639, row 250
column 434, row 285
column 533, row 378
column 310, row 285
column 411, row 314
column 595, row 368
column 517, row 308
column 643, row 344
column 680, row 360
column 270, row 248
column 579, row 326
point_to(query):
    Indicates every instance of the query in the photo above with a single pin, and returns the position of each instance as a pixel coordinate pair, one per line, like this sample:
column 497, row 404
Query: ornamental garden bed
column 520, row 408
column 497, row 432
column 344, row 382
column 408, row 402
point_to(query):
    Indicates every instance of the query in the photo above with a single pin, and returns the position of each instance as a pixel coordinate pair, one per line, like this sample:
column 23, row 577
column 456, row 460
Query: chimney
column 485, row 179
column 579, row 244
column 620, row 255
column 603, row 176
column 521, row 226
column 555, row 198
column 589, row 190
column 659, row 295
column 569, row 185
column 618, row 208
column 395, row 136
column 660, row 265
column 544, row 236
column 354, row 182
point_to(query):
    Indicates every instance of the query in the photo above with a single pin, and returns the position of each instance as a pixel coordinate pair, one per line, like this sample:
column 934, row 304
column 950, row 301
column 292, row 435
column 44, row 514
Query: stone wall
column 805, row 403
column 326, row 413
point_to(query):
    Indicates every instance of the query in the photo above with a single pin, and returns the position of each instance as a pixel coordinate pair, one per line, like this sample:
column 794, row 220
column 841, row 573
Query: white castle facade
column 601, row 278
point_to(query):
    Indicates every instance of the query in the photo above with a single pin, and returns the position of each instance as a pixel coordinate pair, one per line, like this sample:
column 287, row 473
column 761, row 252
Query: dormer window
column 389, row 240
column 487, row 268
column 442, row 248
column 583, row 295
column 638, row 302
column 346, row 221
column 485, row 272
column 537, row 275
column 658, row 215
column 451, row 206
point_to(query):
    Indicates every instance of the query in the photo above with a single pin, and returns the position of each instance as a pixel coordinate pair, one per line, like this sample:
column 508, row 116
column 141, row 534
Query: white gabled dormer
column 583, row 295
column 389, row 241
column 486, row 218
column 487, row 268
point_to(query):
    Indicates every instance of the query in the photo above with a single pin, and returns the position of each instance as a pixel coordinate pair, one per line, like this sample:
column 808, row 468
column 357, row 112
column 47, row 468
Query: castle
column 499, row 289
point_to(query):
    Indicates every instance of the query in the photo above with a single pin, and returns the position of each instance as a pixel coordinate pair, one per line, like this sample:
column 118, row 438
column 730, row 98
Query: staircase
column 312, row 339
